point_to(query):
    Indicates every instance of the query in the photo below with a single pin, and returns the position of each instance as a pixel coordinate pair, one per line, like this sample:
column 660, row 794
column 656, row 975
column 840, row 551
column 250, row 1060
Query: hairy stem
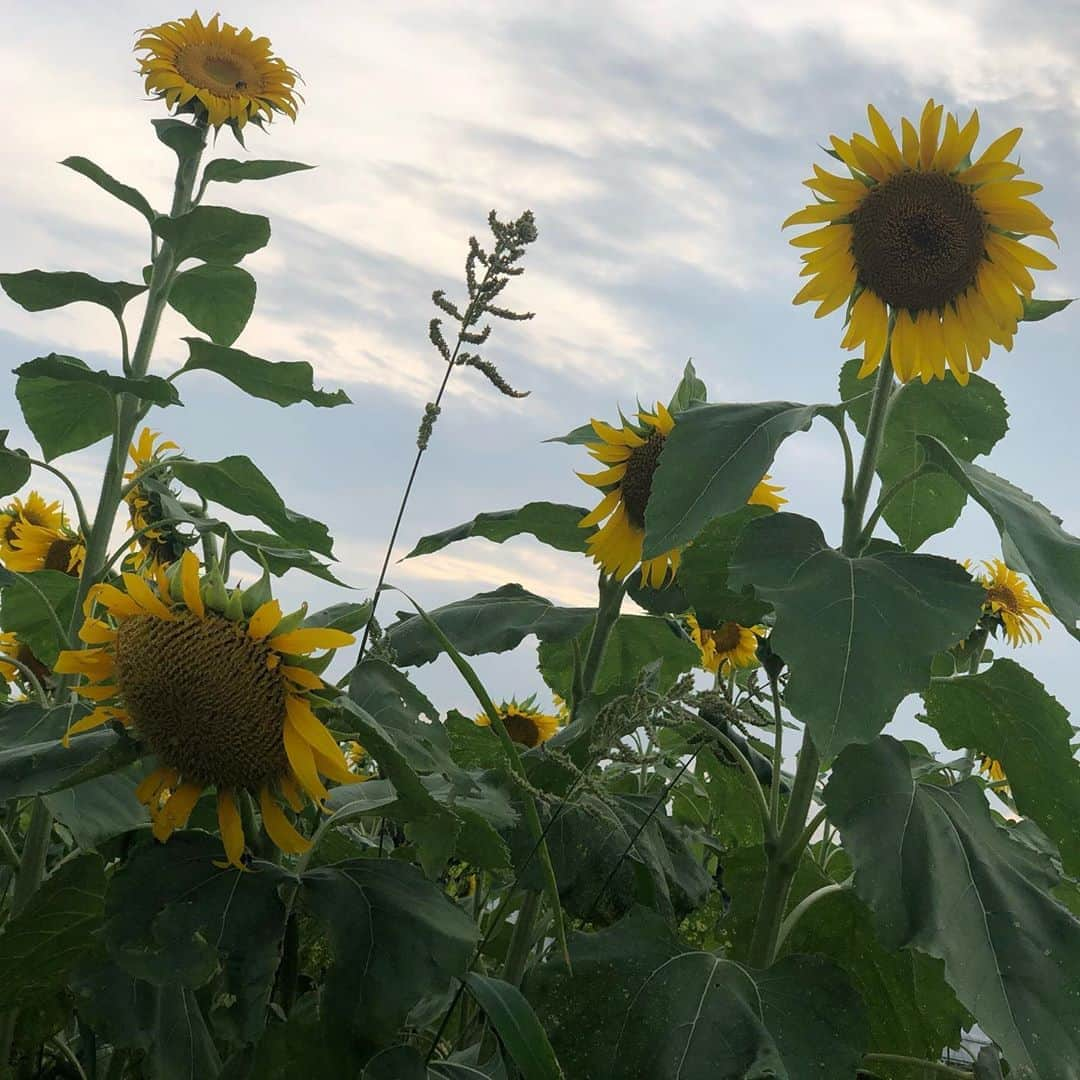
column 802, row 907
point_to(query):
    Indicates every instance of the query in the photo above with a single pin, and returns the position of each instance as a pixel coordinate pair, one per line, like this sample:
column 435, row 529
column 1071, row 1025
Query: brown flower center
column 210, row 68
column 918, row 240
column 522, row 729
column 1004, row 596
column 201, row 695
column 726, row 638
column 59, row 556
column 637, row 480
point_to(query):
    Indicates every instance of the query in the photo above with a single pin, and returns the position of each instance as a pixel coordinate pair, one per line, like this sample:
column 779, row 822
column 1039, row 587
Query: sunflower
column 729, row 645
column 524, row 723
column 991, row 768
column 9, row 647
column 1009, row 603
column 920, row 239
column 34, row 536
column 157, row 546
column 221, row 74
column 222, row 699
column 631, row 453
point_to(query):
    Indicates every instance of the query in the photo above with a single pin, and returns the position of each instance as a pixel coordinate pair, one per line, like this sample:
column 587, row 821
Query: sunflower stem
column 775, row 781
column 521, row 941
column 803, row 906
column 916, row 1063
column 612, row 592
column 887, row 497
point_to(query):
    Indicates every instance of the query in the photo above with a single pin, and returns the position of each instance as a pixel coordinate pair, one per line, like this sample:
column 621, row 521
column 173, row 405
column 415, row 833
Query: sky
column 659, row 156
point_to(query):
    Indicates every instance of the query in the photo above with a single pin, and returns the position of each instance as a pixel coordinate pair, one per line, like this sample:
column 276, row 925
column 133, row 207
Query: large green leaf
column 101, row 808
column 1006, row 712
column 69, row 369
column 135, row 199
column 659, row 1011
column 231, row 171
column 14, row 467
column 28, row 606
column 39, row 768
column 65, row 416
column 1032, row 537
column 215, row 234
column 395, row 937
column 284, row 382
column 858, row 635
column 487, row 622
column 711, row 462
column 183, row 139
column 941, row 877
column 554, row 524
column 218, row 300
column 276, row 554
column 48, row 938
column 173, row 916
column 43, row 290
column 516, row 1025
column 236, row 483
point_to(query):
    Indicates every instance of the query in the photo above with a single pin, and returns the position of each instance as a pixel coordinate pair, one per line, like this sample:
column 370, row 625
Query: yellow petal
column 818, row 212
column 870, row 160
column 266, row 617
column 336, row 767
column 821, row 237
column 606, row 505
column 617, row 436
column 308, row 639
column 302, row 677
column 176, row 812
column 278, row 827
column 145, row 597
column 95, row 632
column 604, row 478
column 189, row 584
column 302, row 761
column 952, row 332
column 231, row 827
column 298, row 713
column 929, row 126
column 161, row 777
column 911, row 143
column 885, row 140
column 1001, row 147
column 1028, row 256
column 113, row 600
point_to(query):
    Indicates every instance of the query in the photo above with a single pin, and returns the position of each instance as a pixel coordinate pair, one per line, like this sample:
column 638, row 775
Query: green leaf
column 485, row 623
column 40, row 290
column 1036, row 310
column 516, row 1025
column 63, row 415
column 184, row 139
column 172, row 916
column 230, row 171
column 395, row 937
column 554, row 524
column 99, row 809
column 42, row 768
column 236, row 483
column 46, row 940
column 70, row 369
column 940, row 877
column 1032, row 537
column 578, row 437
column 347, row 617
column 14, row 468
column 711, row 462
column 402, row 1062
column 214, row 234
column 284, row 383
column 218, row 300
column 856, row 394
column 858, row 635
column 703, row 573
column 299, row 1047
column 690, row 391
column 659, row 1011
column 278, row 555
column 25, row 611
column 1006, row 712
column 473, row 745
column 135, row 199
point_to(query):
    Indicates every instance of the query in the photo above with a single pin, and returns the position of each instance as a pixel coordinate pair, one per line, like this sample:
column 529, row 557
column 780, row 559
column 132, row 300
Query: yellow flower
column 920, row 234
column 222, row 74
column 9, row 647
column 991, row 768
column 156, row 548
column 1009, row 599
column 524, row 724
column 630, row 454
column 728, row 645
column 34, row 536
column 35, row 511
column 222, row 700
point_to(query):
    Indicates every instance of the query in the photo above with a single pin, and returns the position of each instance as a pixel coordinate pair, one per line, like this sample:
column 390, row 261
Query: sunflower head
column 729, row 645
column 14, row 649
column 921, row 245
column 524, row 723
column 222, row 699
column 158, row 544
column 220, row 74
column 34, row 536
column 1010, row 605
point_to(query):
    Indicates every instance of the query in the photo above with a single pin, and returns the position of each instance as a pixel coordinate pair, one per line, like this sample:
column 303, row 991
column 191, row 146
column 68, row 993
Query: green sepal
column 256, row 594
column 234, row 606
column 1035, row 310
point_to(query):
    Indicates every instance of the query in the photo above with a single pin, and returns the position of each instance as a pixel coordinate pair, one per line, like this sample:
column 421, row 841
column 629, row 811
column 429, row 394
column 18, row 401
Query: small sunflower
column 9, row 647
column 1010, row 603
column 219, row 73
column 524, row 723
column 920, row 235
column 157, row 546
column 34, row 536
column 992, row 769
column 221, row 699
column 729, row 645
column 631, row 454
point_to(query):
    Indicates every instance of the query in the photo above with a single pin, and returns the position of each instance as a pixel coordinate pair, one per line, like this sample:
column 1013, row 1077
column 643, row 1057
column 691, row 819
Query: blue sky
column 659, row 155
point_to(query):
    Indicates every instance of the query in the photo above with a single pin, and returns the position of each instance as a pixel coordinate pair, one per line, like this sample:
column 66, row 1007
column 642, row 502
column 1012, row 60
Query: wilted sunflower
column 524, row 723
column 222, row 699
column 156, row 546
column 631, row 453
column 225, row 75
column 34, row 536
column 1009, row 600
column 921, row 235
column 730, row 644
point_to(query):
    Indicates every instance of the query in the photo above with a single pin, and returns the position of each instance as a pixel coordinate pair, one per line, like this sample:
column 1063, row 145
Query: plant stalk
column 607, row 614
column 916, row 1063
column 522, row 939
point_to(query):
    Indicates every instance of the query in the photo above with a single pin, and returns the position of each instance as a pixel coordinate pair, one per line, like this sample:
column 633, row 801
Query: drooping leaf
column 859, row 634
column 711, row 462
column 14, row 468
column 135, row 199
column 184, row 139
column 236, row 483
column 1032, row 537
column 284, row 382
column 218, row 300
column 1036, row 310
column 99, row 809
column 41, row 945
column 69, row 369
column 216, row 234
column 395, row 937
column 554, row 524
column 1005, row 712
column 681, row 1014
column 231, row 171
column 277, row 554
column 33, row 606
column 45, row 767
column 43, row 290
column 940, row 877
column 516, row 1024
column 64, row 416
column 487, row 622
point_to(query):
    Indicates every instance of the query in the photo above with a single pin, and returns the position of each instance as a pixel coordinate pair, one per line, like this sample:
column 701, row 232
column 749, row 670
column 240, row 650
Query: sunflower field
column 238, row 841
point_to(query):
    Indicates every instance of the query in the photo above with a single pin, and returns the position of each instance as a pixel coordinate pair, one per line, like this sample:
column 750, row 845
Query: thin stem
column 522, row 939
column 811, row 828
column 741, row 760
column 887, row 497
column 802, row 907
column 31, row 678
column 119, row 552
column 80, row 512
column 607, row 614
column 916, row 1063
column 125, row 352
column 777, row 755
column 849, row 464
column 34, row 853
